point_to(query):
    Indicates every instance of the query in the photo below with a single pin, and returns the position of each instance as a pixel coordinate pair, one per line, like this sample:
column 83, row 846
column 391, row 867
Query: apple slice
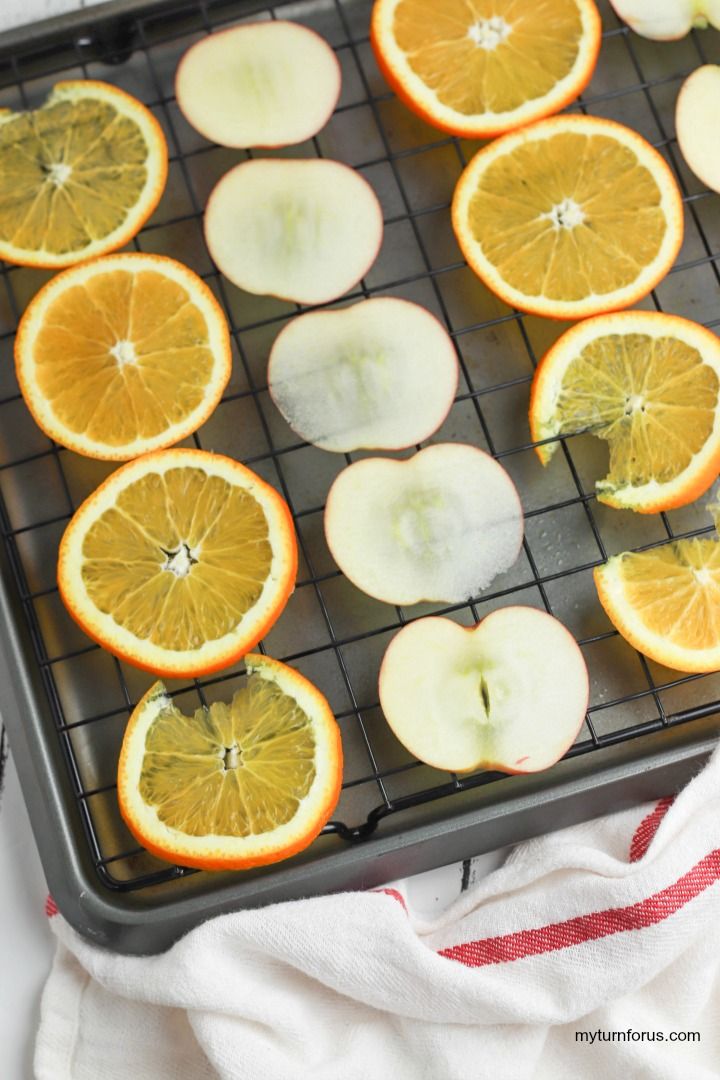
column 379, row 375
column 304, row 230
column 667, row 20
column 696, row 114
column 510, row 693
column 263, row 84
column 438, row 526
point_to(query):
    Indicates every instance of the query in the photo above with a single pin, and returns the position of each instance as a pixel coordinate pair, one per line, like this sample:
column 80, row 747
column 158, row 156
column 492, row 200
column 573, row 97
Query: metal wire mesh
column 332, row 633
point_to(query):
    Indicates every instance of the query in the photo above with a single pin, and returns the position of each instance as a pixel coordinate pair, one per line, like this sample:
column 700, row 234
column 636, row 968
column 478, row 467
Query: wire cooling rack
column 330, row 631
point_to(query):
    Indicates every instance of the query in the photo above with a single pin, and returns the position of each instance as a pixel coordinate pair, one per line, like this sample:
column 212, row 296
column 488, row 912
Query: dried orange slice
column 665, row 602
column 78, row 176
column 573, row 216
column 123, row 354
column 649, row 385
column 485, row 67
column 237, row 785
column 179, row 562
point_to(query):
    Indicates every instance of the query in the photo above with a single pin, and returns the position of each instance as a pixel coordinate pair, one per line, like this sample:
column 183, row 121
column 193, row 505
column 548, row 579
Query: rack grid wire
column 331, row 632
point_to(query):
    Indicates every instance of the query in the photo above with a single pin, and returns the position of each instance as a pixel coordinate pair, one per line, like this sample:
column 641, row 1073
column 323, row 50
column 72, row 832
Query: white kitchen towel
column 573, row 960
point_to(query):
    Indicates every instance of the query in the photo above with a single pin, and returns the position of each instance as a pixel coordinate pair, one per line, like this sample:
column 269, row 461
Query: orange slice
column 570, row 217
column 479, row 68
column 79, row 176
column 122, row 355
column 649, row 385
column 179, row 562
column 666, row 602
column 237, row 785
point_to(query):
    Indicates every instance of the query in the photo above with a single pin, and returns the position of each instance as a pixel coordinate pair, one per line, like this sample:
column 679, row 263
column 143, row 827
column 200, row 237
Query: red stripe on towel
column 50, row 907
column 648, row 827
column 395, row 895
column 599, row 924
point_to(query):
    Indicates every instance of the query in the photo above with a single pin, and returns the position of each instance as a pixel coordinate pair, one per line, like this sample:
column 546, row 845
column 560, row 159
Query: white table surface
column 19, row 12
column 26, row 940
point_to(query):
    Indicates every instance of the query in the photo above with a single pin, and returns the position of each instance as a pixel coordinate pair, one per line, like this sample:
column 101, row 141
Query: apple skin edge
column 696, row 111
column 667, row 20
column 328, row 296
column 572, row 643
column 317, row 318
column 419, row 595
column 296, row 137
column 490, row 764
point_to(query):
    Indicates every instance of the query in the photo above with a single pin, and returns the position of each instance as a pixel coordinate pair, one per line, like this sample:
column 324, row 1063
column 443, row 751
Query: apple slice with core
column 264, row 84
column 438, row 526
column 304, row 230
column 696, row 114
column 510, row 693
column 379, row 375
column 667, row 20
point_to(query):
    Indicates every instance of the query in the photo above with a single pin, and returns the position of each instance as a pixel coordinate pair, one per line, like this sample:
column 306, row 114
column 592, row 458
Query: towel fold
column 593, row 952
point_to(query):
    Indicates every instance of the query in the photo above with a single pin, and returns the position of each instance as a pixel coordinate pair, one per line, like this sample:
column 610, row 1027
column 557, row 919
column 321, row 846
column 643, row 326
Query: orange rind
column 239, row 784
column 482, row 69
column 648, row 384
column 179, row 562
column 79, row 176
column 664, row 602
column 570, row 217
column 122, row 355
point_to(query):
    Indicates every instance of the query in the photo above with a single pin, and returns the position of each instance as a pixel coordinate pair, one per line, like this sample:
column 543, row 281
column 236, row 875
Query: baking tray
column 66, row 702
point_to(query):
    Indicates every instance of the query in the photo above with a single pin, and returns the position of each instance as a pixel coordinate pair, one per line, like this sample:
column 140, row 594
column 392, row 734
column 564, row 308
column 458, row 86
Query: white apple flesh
column 263, row 84
column 303, row 229
column 696, row 123
column 510, row 693
column 381, row 374
column 667, row 20
column 438, row 526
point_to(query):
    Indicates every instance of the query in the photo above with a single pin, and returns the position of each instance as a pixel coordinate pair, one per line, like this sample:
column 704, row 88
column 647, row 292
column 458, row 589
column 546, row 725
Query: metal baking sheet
column 66, row 702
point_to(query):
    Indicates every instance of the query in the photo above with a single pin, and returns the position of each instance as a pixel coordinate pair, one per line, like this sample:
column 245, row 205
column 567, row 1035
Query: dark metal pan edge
column 49, row 31
column 577, row 790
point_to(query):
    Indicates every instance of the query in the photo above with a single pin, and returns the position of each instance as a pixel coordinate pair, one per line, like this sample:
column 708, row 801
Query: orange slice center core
column 674, row 589
column 568, row 216
column 488, row 33
column 179, row 558
column 123, row 355
column 69, row 173
column 237, row 769
column 474, row 60
column 652, row 399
